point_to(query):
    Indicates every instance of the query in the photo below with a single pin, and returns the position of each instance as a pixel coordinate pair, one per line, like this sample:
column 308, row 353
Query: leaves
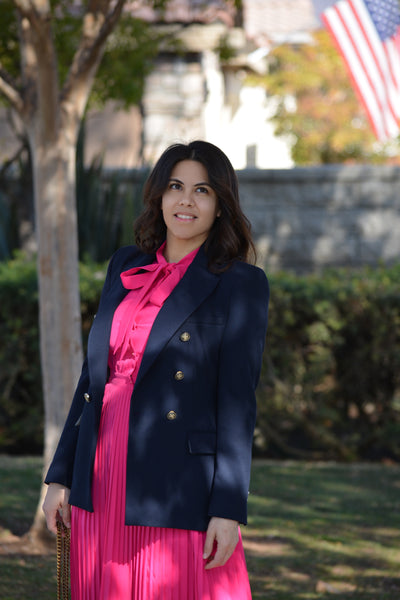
column 128, row 57
column 328, row 123
column 330, row 382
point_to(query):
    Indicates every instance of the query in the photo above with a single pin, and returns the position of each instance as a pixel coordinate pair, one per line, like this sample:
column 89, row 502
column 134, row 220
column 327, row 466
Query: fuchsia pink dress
column 114, row 561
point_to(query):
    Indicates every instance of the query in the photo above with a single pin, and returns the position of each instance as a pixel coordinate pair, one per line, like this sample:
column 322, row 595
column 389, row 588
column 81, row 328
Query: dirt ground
column 14, row 544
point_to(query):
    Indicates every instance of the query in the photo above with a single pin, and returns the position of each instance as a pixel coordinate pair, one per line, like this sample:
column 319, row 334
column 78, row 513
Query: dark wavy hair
column 229, row 238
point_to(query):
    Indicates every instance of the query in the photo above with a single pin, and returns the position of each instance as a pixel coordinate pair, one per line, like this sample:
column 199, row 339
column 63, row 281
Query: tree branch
column 6, row 165
column 39, row 64
column 28, row 9
column 99, row 21
column 9, row 90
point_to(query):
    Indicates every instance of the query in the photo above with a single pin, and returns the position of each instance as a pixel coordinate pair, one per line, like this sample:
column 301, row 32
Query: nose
column 186, row 199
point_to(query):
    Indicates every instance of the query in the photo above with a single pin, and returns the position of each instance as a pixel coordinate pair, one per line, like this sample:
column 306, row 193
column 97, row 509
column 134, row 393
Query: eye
column 202, row 190
column 174, row 185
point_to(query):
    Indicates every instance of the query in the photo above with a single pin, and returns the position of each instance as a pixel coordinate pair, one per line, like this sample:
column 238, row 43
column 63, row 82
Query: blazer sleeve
column 61, row 467
column 239, row 370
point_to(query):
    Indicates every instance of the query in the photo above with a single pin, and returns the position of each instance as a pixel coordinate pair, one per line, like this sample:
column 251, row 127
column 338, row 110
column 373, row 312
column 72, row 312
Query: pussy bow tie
column 153, row 283
column 156, row 280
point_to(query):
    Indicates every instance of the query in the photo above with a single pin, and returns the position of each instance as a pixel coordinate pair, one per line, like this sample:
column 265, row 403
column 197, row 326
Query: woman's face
column 189, row 206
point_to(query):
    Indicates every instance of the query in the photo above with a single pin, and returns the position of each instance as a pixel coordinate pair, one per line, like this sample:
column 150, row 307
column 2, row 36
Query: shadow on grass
column 315, row 532
column 28, row 577
column 321, row 530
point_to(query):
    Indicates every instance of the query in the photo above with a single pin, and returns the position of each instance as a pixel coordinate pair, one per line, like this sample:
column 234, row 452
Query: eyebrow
column 195, row 185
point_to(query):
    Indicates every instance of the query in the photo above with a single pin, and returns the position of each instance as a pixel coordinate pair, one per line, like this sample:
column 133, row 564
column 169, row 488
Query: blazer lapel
column 98, row 343
column 197, row 283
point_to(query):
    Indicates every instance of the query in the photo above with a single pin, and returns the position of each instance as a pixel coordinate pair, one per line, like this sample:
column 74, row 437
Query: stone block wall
column 304, row 219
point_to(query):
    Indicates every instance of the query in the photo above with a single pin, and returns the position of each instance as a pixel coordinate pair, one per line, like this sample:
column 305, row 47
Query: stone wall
column 305, row 219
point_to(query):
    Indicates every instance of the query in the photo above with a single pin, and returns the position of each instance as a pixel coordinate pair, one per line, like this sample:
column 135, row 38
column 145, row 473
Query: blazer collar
column 100, row 332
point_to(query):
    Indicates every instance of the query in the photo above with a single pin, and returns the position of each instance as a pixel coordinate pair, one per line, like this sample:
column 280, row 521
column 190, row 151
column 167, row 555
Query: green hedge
column 21, row 405
column 330, row 382
column 330, row 385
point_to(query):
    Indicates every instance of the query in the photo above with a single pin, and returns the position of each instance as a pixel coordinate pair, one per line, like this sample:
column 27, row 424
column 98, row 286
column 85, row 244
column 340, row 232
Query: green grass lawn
column 316, row 531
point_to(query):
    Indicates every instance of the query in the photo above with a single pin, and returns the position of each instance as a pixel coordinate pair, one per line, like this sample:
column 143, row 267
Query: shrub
column 330, row 384
column 21, row 402
column 330, row 381
column 20, row 416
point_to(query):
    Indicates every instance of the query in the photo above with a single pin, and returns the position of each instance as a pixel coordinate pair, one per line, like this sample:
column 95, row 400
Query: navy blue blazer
column 192, row 463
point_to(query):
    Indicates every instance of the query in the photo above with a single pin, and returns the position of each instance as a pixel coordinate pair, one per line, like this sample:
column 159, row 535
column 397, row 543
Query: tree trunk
column 53, row 166
column 51, row 118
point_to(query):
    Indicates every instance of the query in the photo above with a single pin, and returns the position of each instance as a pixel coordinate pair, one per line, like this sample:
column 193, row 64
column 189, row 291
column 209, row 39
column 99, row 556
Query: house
column 195, row 94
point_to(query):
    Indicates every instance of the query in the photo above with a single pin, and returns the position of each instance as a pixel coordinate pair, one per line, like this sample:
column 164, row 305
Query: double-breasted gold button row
column 184, row 337
column 179, row 375
column 171, row 415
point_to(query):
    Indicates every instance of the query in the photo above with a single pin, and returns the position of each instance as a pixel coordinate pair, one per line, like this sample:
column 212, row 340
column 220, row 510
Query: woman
column 155, row 454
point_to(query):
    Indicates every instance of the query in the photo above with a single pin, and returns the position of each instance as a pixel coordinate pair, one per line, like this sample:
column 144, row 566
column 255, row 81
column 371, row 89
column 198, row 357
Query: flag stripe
column 370, row 51
column 357, row 73
column 373, row 61
column 394, row 62
column 369, row 36
column 367, row 66
column 379, row 55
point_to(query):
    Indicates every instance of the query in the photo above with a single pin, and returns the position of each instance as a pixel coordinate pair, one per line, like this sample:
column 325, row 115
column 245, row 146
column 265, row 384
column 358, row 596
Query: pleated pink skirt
column 113, row 561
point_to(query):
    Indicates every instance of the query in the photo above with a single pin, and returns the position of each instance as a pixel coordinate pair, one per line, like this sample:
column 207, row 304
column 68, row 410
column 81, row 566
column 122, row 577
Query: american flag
column 367, row 33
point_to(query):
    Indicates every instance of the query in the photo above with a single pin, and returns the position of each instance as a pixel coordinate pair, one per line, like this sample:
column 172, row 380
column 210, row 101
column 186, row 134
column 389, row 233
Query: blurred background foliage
column 106, row 206
column 317, row 108
column 330, row 382
column 130, row 49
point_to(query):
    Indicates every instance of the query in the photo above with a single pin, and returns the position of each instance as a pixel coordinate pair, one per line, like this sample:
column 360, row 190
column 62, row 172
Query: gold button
column 179, row 375
column 87, row 397
column 185, row 336
column 171, row 415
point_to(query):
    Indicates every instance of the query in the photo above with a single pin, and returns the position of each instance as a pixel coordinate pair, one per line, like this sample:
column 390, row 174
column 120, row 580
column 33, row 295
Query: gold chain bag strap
column 63, row 550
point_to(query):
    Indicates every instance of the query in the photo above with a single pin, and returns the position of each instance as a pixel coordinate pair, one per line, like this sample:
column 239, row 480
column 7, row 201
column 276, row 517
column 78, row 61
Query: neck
column 174, row 252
